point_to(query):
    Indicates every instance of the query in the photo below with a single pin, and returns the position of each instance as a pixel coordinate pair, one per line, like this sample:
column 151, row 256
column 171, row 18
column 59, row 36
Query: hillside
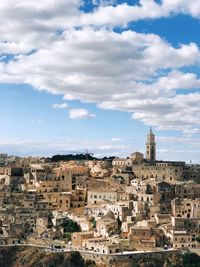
column 35, row 257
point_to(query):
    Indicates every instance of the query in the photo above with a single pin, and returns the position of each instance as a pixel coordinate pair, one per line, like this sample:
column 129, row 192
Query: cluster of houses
column 128, row 204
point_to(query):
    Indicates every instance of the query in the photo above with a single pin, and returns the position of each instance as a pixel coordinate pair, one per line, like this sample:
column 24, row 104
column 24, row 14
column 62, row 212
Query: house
column 77, row 238
column 101, row 246
column 108, row 224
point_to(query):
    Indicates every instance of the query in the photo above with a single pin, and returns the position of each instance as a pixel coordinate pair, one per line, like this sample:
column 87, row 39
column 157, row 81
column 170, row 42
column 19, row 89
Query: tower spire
column 150, row 146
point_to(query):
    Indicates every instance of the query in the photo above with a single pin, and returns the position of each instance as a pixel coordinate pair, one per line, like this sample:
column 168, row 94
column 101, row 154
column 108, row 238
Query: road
column 49, row 249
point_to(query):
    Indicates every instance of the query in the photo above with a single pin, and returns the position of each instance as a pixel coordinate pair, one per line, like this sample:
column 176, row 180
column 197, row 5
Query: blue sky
column 114, row 69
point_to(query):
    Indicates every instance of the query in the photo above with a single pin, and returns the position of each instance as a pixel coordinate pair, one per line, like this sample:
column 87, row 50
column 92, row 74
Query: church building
column 151, row 147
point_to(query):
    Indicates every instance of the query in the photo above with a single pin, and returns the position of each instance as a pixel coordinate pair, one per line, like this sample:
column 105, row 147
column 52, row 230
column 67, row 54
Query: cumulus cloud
column 128, row 71
column 37, row 23
column 138, row 73
column 80, row 113
column 124, row 13
column 60, row 106
column 30, row 20
column 14, row 48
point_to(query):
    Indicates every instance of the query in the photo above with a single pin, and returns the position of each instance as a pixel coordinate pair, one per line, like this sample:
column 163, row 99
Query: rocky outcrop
column 35, row 257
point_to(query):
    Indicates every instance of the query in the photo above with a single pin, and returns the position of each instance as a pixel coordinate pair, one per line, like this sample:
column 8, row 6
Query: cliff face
column 34, row 257
column 8, row 256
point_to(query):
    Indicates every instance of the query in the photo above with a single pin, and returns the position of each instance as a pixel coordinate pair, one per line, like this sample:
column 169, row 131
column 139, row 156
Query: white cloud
column 182, row 6
column 111, row 147
column 28, row 25
column 128, row 71
column 184, row 149
column 14, row 48
column 37, row 23
column 100, row 148
column 124, row 13
column 60, row 106
column 80, row 114
column 117, row 139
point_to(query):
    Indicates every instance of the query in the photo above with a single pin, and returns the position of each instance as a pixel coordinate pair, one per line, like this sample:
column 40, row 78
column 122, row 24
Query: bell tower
column 151, row 147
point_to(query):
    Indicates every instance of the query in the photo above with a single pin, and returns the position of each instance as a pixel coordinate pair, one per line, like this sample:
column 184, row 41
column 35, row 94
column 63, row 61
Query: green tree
column 67, row 236
column 119, row 223
column 70, row 226
column 191, row 260
column 93, row 222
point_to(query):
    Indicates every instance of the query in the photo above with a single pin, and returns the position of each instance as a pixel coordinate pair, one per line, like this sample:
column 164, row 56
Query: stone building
column 137, row 157
column 184, row 240
column 99, row 196
column 78, row 237
column 106, row 225
column 187, row 190
column 151, row 147
column 101, row 246
column 142, row 237
column 120, row 162
column 168, row 171
column 186, row 208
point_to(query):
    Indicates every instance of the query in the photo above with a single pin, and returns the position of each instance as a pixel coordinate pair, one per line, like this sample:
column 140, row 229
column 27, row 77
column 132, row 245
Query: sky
column 95, row 74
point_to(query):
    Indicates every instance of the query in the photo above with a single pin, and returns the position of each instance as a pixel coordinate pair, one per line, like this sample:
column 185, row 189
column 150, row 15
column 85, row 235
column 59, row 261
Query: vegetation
column 162, row 241
column 188, row 224
column 7, row 256
column 90, row 263
column 34, row 257
column 57, row 158
column 119, row 224
column 70, row 226
column 84, row 156
column 67, row 236
column 108, row 158
column 191, row 260
column 76, row 259
column 93, row 222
